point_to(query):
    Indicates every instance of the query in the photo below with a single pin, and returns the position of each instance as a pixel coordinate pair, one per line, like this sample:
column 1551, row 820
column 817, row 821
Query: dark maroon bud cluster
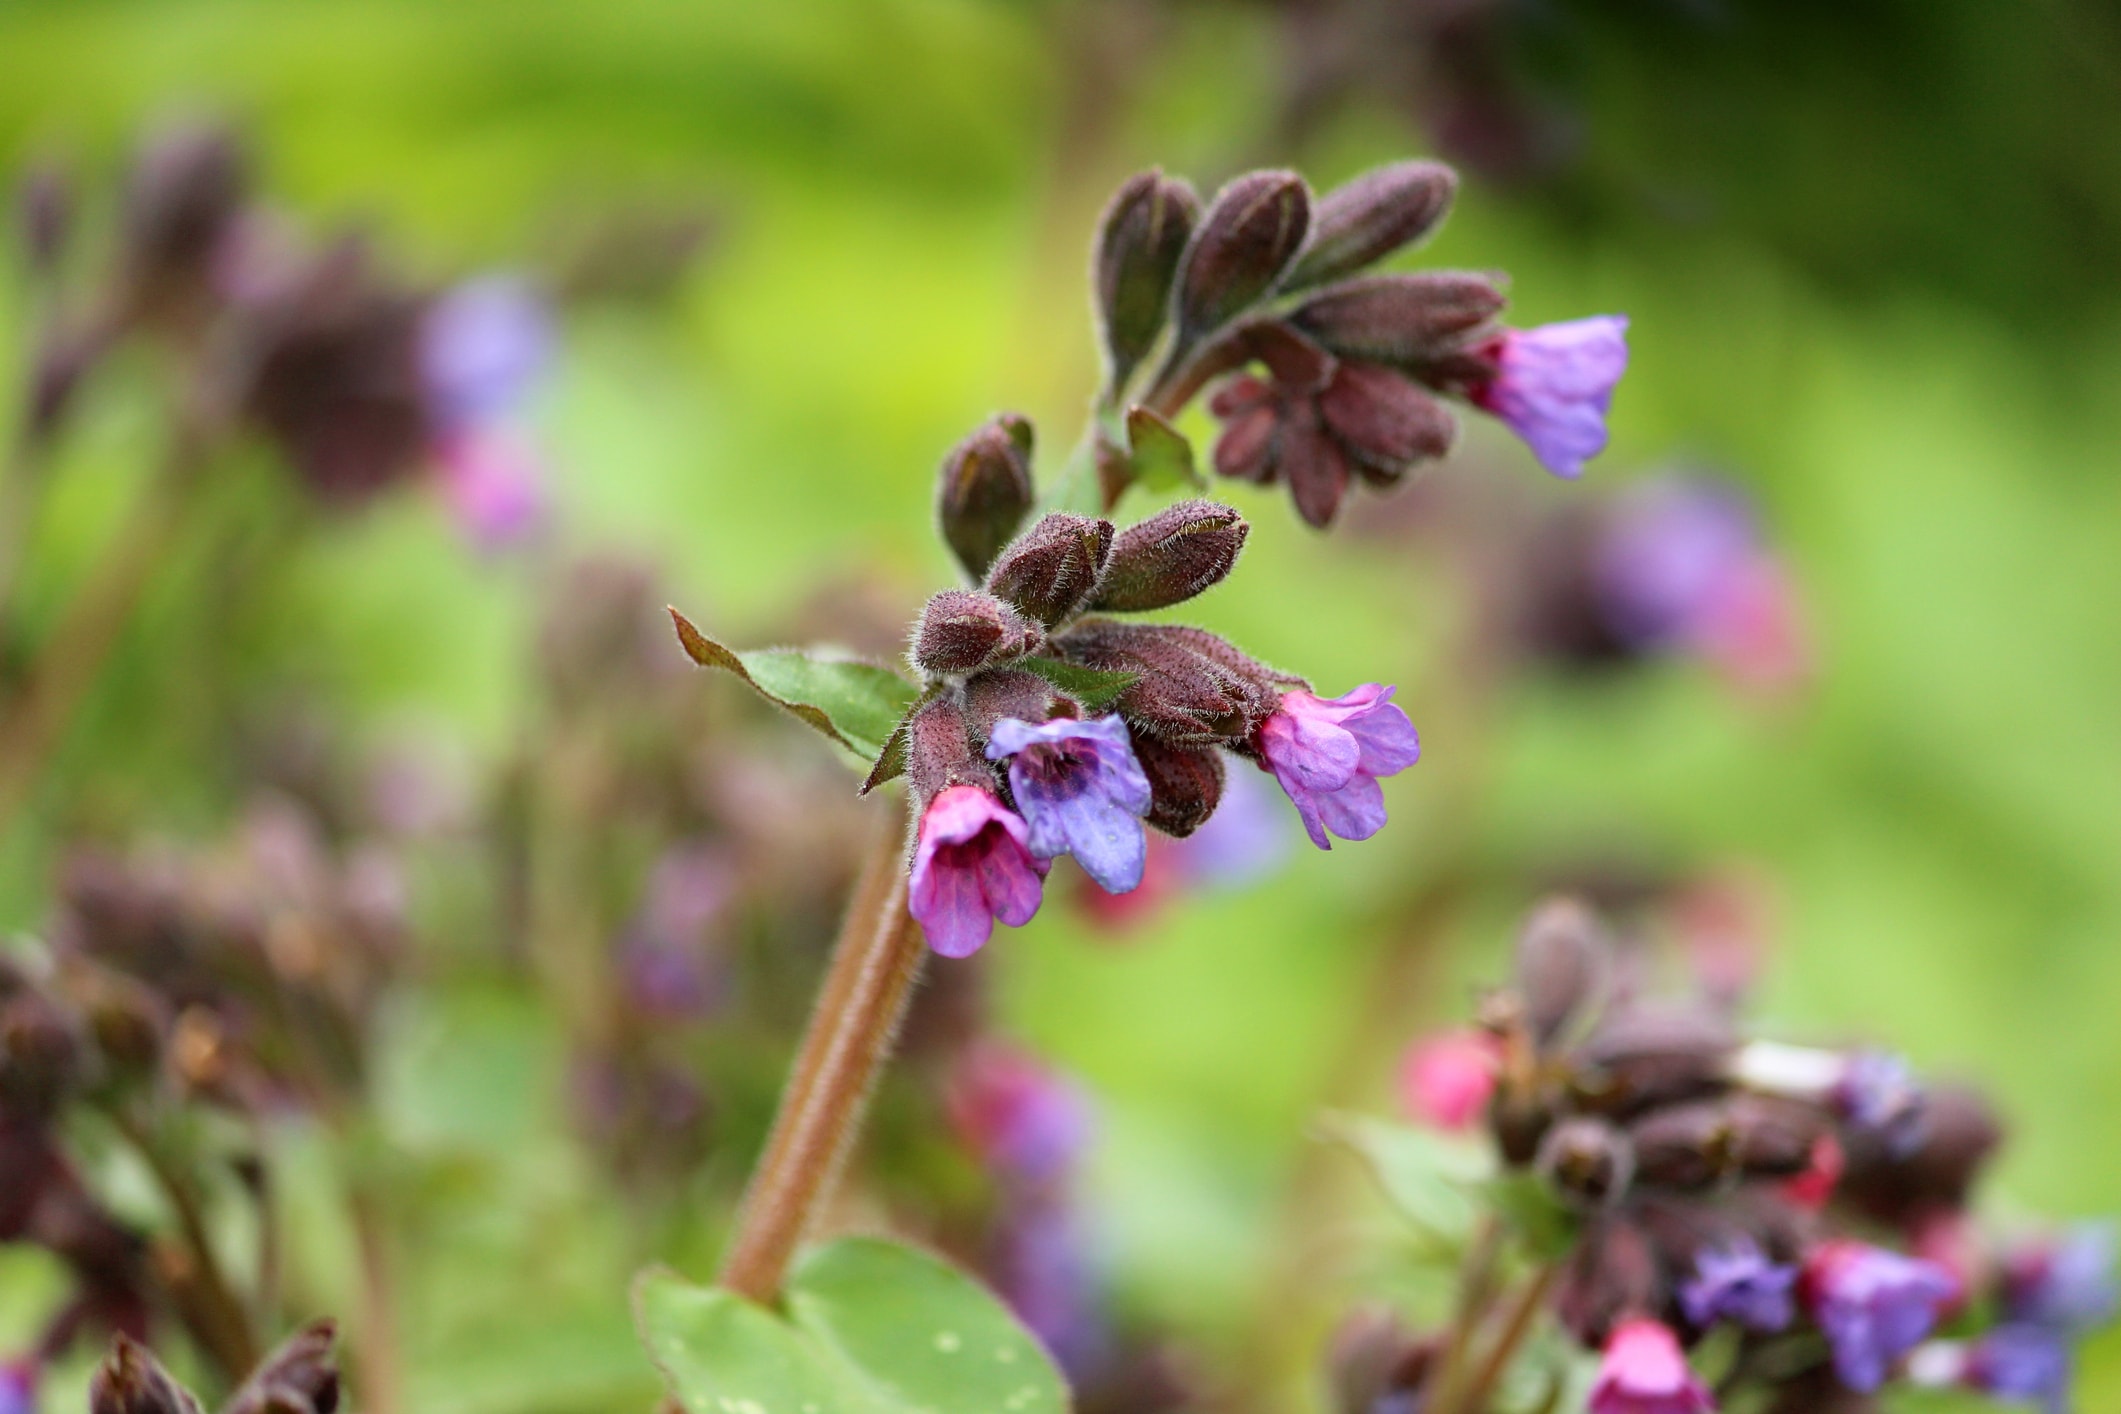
column 301, row 1377
column 1701, row 1178
column 183, row 201
column 985, row 492
column 1051, row 570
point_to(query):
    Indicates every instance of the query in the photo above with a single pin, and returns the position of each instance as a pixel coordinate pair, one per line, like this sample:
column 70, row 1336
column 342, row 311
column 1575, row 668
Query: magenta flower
column 1873, row 1305
column 1644, row 1372
column 1328, row 754
column 484, row 346
column 1445, row 1080
column 972, row 865
column 493, row 481
column 1554, row 384
column 1081, row 792
column 1737, row 1282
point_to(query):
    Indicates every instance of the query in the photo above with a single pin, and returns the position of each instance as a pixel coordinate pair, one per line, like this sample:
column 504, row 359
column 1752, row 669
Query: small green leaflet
column 854, row 703
column 1161, row 457
column 1430, row 1179
column 872, row 1328
column 1095, row 688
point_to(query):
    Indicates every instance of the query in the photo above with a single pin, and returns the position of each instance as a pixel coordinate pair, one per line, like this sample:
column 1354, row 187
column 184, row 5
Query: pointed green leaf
column 856, row 704
column 890, row 763
column 1162, row 458
column 1427, row 1177
column 1095, row 688
column 872, row 1328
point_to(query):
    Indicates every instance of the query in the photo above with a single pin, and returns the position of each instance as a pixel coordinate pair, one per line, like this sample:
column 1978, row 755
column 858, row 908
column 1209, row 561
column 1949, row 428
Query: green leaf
column 1430, row 1179
column 856, row 704
column 872, row 1328
column 890, row 763
column 1162, row 458
column 1095, row 688
column 1547, row 1229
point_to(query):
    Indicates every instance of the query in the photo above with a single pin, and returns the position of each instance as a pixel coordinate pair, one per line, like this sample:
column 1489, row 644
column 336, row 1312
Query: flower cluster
column 1812, row 1204
column 1048, row 726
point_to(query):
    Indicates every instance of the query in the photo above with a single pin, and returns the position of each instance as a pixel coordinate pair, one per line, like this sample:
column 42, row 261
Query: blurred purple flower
column 667, row 955
column 484, row 346
column 1028, row 1123
column 1878, row 1094
column 1873, row 1305
column 1081, row 792
column 1554, row 384
column 1245, row 840
column 1045, row 1271
column 1738, row 1283
column 2021, row 1362
column 494, row 482
column 973, row 864
column 18, row 1387
column 1328, row 753
column 2066, row 1283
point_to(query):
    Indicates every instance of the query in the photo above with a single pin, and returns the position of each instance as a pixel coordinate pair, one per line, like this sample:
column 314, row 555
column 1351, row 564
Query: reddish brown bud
column 1646, row 1058
column 131, row 1381
column 1249, row 235
column 1399, row 318
column 184, row 196
column 301, row 1377
column 940, row 753
column 1361, row 222
column 1184, row 692
column 1170, row 557
column 1587, row 1160
column 40, row 1055
column 1564, row 959
column 1378, row 1364
column 1684, row 1146
column 1139, row 241
column 984, row 491
column 1611, row 1275
column 962, row 630
column 1384, row 420
column 1185, row 784
column 1052, row 568
column 1959, row 1134
column 1773, row 1137
column 1012, row 692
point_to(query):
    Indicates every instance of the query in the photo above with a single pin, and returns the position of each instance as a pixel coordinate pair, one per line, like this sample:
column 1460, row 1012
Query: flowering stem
column 1515, row 1327
column 851, row 1030
column 1476, row 1287
column 73, row 654
column 376, row 1353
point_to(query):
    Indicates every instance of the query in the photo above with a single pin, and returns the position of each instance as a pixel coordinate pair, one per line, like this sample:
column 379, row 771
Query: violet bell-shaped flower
column 1328, row 754
column 1027, row 1122
column 1643, row 1371
column 2066, row 1283
column 1081, row 792
column 1873, row 1305
column 484, row 347
column 1554, row 385
column 1737, row 1282
column 2027, row 1363
column 972, row 864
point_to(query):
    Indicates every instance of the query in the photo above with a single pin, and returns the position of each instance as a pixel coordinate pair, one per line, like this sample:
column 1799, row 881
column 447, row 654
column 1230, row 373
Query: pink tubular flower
column 1554, row 384
column 1644, row 1372
column 1445, row 1080
column 972, row 865
column 1328, row 754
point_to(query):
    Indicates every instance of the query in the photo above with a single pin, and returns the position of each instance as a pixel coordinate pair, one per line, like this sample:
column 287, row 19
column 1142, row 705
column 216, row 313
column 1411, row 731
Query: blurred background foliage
column 1873, row 257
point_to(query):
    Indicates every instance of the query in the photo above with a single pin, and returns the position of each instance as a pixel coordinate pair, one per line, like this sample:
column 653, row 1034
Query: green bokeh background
column 1870, row 254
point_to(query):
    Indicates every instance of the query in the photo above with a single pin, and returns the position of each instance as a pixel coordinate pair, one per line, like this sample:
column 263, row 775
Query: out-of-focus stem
column 73, row 653
column 1523, row 1311
column 375, row 1353
column 843, row 1050
column 1476, row 1289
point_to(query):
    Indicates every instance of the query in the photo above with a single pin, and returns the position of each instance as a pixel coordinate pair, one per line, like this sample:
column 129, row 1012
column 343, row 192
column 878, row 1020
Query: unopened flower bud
column 1170, row 557
column 1185, row 784
column 1685, row 1146
column 1361, row 222
column 940, row 752
column 1247, row 238
column 1959, row 1134
column 1139, row 242
column 1611, row 1276
column 962, row 630
column 1564, row 961
column 301, row 1377
column 1774, row 1138
column 131, row 1381
column 1641, row 1059
column 1399, row 318
column 984, row 491
column 1052, row 568
column 40, row 1056
column 1188, row 689
column 183, row 198
column 1377, row 1364
column 997, row 693
column 1588, row 1160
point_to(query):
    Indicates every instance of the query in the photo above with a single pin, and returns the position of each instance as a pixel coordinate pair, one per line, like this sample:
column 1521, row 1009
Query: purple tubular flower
column 1874, row 1306
column 1081, row 792
column 1669, row 557
column 1737, row 1282
column 1554, row 384
column 2022, row 1362
column 972, row 865
column 1328, row 754
column 483, row 347
column 2067, row 1284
